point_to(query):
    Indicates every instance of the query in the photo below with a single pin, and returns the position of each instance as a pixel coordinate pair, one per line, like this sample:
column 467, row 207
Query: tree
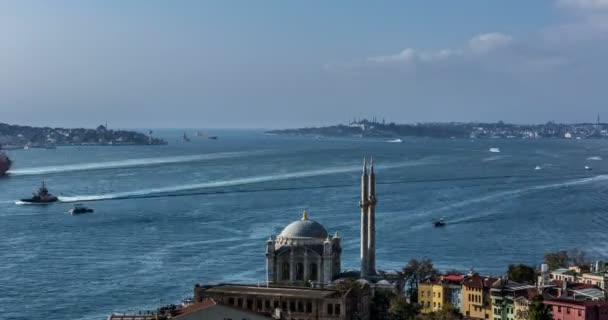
column 416, row 271
column 402, row 310
column 521, row 273
column 448, row 312
column 564, row 258
column 381, row 303
column 538, row 310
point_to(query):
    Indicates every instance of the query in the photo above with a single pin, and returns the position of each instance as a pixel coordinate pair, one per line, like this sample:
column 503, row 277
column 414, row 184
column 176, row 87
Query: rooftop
column 288, row 292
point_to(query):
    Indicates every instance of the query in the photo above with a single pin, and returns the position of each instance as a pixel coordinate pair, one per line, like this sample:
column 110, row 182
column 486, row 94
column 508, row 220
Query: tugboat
column 41, row 197
column 439, row 223
column 79, row 209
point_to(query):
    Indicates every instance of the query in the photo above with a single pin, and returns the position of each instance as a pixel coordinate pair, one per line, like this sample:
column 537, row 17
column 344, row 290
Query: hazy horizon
column 238, row 64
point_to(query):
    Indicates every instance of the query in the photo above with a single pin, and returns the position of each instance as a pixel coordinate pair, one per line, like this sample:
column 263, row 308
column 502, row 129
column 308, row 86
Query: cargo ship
column 5, row 163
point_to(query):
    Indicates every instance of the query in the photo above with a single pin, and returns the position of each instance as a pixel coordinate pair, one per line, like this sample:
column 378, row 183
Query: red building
column 567, row 309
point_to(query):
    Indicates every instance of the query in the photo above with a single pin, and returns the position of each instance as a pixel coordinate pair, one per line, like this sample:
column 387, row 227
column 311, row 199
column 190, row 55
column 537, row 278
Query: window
column 309, row 307
column 285, row 271
column 567, row 310
column 422, row 293
column 579, row 313
column 559, row 309
column 428, row 304
column 300, row 306
column 292, row 306
column 439, row 305
column 337, row 309
column 330, row 308
column 438, row 294
column 434, row 304
column 434, row 294
column 276, row 304
column 267, row 304
column 284, row 306
column 259, row 304
column 299, row 271
column 314, row 273
column 249, row 304
column 231, row 301
column 240, row 302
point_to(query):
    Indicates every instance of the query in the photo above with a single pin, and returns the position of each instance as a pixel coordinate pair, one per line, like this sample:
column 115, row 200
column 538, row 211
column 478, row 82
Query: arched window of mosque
column 314, row 273
column 285, row 271
column 300, row 271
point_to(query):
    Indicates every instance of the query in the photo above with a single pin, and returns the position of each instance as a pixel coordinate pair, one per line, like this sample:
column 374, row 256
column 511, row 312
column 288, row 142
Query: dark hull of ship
column 40, row 201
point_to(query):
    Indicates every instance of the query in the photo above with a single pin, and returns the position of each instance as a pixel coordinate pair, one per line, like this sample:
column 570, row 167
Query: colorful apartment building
column 503, row 294
column 431, row 295
column 435, row 293
column 568, row 309
column 476, row 299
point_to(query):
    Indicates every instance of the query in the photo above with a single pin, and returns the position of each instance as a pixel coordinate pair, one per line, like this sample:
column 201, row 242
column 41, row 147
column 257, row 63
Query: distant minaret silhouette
column 371, row 220
column 364, row 205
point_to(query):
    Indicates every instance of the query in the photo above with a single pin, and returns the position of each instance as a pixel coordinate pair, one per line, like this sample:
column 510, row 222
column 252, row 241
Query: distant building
column 599, row 279
column 435, row 293
column 565, row 309
column 562, row 274
column 476, row 299
column 503, row 294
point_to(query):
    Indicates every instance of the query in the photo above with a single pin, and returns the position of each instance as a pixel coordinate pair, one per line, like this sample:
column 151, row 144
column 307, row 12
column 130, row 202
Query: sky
column 282, row 64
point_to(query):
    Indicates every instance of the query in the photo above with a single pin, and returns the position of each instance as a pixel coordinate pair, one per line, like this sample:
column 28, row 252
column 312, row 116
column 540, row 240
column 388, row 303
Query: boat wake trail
column 232, row 182
column 511, row 193
column 131, row 163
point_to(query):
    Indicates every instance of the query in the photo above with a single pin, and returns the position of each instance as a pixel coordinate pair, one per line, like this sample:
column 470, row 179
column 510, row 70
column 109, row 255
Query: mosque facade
column 305, row 254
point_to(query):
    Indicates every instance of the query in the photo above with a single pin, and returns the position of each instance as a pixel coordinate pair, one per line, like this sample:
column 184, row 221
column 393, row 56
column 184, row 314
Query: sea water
column 167, row 217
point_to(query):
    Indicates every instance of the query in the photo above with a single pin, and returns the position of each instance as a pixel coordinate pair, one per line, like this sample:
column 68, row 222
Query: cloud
column 487, row 42
column 411, row 55
column 583, row 4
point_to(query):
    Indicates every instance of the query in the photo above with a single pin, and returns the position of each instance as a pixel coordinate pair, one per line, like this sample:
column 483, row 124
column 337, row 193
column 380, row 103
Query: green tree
column 538, row 310
column 381, row 303
column 521, row 273
column 448, row 312
column 564, row 258
column 402, row 310
column 416, row 271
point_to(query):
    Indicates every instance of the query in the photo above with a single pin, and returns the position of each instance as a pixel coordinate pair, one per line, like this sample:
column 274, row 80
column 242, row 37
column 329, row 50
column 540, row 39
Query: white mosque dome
column 304, row 228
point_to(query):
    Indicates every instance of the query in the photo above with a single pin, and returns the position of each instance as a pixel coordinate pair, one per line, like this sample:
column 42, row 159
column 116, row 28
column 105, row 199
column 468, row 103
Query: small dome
column 304, row 228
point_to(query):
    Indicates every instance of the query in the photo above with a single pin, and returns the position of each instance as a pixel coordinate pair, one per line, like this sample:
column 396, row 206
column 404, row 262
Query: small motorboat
column 212, row 137
column 588, row 168
column 495, row 150
column 43, row 196
column 80, row 209
column 537, row 168
column 439, row 223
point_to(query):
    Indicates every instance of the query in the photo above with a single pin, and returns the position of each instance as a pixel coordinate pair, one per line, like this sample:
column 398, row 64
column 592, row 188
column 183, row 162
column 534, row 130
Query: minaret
column 364, row 204
column 371, row 221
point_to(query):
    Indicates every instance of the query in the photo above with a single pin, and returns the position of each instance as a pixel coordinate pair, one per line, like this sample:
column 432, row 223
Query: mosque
column 304, row 253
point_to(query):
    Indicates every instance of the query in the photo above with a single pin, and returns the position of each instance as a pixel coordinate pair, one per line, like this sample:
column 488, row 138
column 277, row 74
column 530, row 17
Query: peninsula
column 15, row 136
column 473, row 130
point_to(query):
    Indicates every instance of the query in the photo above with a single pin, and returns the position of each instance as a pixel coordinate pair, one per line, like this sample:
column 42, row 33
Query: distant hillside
column 365, row 128
column 15, row 136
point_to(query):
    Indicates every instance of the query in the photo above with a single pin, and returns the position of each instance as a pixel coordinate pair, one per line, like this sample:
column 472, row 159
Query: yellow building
column 432, row 295
column 476, row 300
column 599, row 279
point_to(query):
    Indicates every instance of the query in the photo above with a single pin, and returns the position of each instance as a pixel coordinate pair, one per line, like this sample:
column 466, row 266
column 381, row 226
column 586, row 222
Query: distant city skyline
column 277, row 64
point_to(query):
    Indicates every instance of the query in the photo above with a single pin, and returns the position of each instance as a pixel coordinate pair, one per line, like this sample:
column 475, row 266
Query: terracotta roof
column 453, row 277
column 565, row 301
column 195, row 307
column 477, row 281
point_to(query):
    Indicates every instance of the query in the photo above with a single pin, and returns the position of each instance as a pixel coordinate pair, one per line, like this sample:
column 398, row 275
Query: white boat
column 587, row 168
column 394, row 141
column 495, row 150
column 537, row 168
